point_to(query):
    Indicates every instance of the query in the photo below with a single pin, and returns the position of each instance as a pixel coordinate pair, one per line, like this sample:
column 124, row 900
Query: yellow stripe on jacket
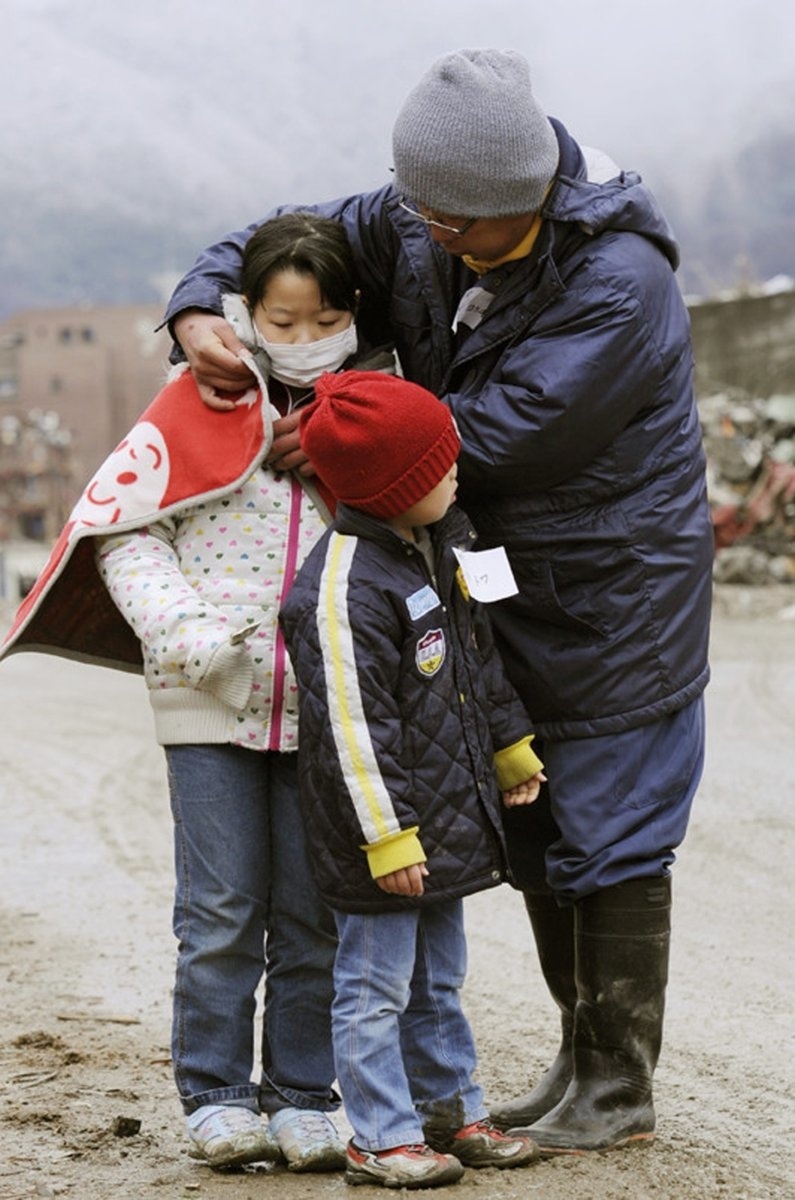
column 357, row 755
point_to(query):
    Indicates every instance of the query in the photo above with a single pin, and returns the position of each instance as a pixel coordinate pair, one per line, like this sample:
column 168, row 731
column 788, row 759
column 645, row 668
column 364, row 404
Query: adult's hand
column 212, row 347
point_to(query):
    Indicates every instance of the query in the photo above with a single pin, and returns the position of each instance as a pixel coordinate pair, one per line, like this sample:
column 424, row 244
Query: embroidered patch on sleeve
column 421, row 602
column 430, row 653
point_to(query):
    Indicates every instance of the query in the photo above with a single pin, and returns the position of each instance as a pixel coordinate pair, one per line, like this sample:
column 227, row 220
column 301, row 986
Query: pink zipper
column 279, row 648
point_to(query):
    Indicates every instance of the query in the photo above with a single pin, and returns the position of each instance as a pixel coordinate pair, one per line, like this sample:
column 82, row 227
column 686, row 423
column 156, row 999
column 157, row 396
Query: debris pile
column 36, row 475
column 750, row 446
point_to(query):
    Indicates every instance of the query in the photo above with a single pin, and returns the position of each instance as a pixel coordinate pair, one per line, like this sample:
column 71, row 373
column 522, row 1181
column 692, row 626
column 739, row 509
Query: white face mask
column 302, row 364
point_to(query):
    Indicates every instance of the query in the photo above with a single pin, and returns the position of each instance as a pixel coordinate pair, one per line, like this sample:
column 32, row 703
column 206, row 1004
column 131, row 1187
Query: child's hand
column 285, row 453
column 524, row 793
column 405, row 882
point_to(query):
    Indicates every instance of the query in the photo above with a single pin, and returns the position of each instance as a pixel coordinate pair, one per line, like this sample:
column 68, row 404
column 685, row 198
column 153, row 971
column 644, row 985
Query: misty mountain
column 736, row 225
column 124, row 151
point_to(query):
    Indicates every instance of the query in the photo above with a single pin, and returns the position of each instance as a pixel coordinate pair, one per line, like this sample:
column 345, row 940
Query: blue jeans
column 245, row 901
column 402, row 1045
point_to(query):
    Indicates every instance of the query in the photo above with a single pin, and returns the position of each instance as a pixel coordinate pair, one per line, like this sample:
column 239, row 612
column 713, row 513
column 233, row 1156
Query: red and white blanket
column 179, row 451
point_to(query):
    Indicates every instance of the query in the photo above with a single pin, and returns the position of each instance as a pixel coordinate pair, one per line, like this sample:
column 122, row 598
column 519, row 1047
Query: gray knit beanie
column 471, row 140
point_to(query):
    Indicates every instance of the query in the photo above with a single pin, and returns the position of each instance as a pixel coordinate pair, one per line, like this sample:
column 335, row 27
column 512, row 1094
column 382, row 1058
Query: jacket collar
column 454, row 526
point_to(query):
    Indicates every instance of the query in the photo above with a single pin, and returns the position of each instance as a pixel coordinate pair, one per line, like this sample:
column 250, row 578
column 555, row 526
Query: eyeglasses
column 457, row 232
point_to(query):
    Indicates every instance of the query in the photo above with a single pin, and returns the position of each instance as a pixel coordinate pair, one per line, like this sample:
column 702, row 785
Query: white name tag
column 487, row 573
column 472, row 307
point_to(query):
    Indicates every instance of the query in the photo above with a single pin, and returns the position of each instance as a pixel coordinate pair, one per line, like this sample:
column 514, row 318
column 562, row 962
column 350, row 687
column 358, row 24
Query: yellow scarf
column 480, row 266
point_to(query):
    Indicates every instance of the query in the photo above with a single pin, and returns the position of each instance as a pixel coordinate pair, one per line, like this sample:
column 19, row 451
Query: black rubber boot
column 553, row 928
column 621, row 938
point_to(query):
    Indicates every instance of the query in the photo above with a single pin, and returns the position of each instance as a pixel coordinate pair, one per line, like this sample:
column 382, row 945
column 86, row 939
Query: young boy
column 409, row 730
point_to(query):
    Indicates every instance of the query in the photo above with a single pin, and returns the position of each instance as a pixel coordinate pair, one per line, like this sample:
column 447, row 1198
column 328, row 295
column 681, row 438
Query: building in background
column 96, row 368
column 72, row 382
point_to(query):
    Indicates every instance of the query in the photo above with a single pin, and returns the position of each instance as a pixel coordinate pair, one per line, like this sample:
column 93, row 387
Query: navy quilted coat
column 394, row 690
column 581, row 442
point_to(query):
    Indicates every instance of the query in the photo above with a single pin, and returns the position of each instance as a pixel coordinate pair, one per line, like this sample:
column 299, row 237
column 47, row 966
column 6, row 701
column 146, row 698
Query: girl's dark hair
column 307, row 244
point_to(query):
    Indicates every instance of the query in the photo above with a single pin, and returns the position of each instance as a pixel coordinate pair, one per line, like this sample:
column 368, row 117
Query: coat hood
column 622, row 203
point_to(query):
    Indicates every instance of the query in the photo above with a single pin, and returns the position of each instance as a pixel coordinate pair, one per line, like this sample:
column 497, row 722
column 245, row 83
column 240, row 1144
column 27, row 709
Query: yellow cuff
column 401, row 849
column 516, row 763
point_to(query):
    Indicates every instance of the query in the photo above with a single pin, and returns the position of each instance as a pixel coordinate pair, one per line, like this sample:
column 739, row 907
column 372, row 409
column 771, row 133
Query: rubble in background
column 37, row 477
column 750, row 446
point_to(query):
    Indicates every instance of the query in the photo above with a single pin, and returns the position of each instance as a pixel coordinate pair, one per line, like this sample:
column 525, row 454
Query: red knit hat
column 378, row 442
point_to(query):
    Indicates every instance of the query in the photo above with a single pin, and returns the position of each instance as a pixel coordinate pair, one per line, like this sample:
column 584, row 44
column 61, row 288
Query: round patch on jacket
column 431, row 649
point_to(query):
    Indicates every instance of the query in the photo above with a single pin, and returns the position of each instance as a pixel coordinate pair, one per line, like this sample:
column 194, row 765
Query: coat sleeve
column 215, row 272
column 179, row 632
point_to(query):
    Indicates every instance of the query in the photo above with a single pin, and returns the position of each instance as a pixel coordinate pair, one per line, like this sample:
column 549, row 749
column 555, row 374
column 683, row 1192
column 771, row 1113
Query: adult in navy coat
column 531, row 285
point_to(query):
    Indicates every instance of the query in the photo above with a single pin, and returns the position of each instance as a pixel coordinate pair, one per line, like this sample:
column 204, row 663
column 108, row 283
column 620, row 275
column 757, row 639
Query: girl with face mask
column 201, row 589
column 297, row 310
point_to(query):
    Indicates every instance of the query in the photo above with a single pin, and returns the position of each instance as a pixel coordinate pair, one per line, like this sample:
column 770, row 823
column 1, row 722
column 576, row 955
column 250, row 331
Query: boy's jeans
column 242, row 872
column 403, row 1047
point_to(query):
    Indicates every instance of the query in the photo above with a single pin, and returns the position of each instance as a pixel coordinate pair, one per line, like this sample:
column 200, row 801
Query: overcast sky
column 623, row 71
column 200, row 115
column 622, row 74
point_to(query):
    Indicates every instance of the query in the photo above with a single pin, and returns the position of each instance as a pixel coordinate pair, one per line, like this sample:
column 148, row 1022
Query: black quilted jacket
column 403, row 702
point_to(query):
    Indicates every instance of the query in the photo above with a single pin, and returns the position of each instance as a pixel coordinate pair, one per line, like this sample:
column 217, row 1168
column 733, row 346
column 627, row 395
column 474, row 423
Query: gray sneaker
column 308, row 1139
column 225, row 1135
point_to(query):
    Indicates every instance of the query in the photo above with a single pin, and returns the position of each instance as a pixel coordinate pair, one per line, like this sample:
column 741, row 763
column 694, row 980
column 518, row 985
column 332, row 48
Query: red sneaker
column 484, row 1145
column 402, row 1167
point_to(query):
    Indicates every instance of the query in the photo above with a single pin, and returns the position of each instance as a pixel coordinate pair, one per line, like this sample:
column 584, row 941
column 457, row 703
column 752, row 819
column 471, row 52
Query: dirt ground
column 86, row 958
